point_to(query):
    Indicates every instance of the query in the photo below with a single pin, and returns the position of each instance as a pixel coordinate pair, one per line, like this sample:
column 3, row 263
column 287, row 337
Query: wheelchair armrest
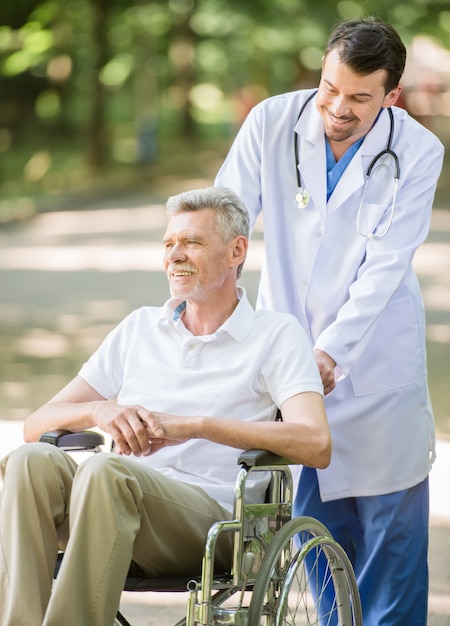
column 86, row 439
column 255, row 458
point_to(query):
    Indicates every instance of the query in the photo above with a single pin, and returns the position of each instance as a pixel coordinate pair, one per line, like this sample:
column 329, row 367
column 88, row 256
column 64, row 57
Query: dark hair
column 368, row 45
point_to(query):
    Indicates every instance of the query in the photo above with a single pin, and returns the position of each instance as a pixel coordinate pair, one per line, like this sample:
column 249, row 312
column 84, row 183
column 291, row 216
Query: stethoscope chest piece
column 302, row 197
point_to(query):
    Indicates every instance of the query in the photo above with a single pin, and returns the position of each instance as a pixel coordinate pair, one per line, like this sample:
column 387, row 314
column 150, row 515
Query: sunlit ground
column 73, row 275
column 68, row 278
column 107, row 263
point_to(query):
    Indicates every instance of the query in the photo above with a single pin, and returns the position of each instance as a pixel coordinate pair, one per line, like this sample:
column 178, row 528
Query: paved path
column 75, row 274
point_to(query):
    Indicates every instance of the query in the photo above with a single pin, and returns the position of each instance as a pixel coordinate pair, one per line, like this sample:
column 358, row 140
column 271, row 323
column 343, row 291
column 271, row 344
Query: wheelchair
column 285, row 571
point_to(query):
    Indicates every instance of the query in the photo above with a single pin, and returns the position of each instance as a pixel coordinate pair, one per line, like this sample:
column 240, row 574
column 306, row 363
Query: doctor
column 346, row 186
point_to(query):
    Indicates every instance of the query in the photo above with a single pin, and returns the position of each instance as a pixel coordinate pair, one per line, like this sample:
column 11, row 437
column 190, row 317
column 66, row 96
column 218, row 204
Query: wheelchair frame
column 296, row 572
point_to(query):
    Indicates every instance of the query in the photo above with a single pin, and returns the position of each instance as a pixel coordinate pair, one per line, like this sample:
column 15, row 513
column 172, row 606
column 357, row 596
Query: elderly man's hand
column 136, row 430
column 167, row 430
column 126, row 425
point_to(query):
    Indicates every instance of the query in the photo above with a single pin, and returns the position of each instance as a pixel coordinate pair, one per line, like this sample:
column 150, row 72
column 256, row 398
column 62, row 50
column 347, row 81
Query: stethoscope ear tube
column 381, row 154
column 387, row 150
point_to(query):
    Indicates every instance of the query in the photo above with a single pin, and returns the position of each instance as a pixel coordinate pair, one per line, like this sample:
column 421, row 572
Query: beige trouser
column 104, row 512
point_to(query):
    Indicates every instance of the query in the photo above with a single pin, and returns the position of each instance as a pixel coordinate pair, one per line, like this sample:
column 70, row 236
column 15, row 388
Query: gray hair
column 232, row 216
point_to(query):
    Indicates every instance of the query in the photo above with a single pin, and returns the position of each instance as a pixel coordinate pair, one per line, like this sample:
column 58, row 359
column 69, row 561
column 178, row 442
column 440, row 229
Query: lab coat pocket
column 377, row 203
column 371, row 219
column 395, row 355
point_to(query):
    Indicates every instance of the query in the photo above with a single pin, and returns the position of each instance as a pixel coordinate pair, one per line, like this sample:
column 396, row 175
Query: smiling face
column 197, row 262
column 349, row 103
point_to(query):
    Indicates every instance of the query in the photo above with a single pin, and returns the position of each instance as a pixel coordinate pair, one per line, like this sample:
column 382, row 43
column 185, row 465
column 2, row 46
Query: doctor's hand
column 326, row 367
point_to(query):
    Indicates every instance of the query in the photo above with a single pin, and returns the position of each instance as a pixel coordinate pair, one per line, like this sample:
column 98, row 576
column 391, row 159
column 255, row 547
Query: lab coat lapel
column 351, row 180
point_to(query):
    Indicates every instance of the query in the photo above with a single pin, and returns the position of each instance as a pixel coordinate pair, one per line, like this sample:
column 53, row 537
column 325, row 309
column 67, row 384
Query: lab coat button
column 318, row 234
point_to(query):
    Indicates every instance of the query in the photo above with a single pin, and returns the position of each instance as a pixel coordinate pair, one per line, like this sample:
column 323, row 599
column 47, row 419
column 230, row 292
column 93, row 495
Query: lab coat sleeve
column 387, row 265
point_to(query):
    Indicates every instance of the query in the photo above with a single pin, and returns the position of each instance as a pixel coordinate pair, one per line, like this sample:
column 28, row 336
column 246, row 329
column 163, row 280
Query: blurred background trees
column 89, row 87
column 106, row 97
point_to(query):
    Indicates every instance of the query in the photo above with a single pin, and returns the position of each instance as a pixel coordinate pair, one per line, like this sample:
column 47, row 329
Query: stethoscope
column 303, row 197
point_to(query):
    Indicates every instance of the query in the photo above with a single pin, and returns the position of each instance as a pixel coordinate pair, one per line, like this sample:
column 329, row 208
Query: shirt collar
column 240, row 322
column 238, row 325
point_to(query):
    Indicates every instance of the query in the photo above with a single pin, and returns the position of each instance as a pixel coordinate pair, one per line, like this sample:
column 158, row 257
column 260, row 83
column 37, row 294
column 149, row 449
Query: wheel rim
column 309, row 585
column 314, row 590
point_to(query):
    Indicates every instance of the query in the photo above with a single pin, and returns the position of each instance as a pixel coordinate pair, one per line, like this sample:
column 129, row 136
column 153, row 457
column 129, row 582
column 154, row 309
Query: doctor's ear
column 392, row 96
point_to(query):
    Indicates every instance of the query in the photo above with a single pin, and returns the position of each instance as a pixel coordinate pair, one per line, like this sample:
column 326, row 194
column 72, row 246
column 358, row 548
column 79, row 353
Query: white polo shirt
column 244, row 371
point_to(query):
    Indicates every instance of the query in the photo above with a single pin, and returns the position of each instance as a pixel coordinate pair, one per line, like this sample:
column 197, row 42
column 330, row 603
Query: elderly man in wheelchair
column 182, row 390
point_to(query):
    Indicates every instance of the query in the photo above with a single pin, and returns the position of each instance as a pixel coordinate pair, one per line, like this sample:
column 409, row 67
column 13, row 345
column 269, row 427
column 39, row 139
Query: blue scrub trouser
column 386, row 538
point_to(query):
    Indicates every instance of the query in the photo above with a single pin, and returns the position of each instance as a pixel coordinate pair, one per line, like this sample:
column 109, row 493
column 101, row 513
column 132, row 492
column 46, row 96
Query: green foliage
column 102, row 73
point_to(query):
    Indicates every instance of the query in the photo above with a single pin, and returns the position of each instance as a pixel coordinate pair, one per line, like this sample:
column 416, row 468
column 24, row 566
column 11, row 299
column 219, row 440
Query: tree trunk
column 97, row 139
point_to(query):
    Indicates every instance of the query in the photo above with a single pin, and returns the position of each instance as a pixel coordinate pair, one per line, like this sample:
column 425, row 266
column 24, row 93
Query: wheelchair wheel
column 305, row 579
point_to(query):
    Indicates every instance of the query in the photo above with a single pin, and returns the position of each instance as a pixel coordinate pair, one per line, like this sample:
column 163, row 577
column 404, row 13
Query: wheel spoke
column 306, row 582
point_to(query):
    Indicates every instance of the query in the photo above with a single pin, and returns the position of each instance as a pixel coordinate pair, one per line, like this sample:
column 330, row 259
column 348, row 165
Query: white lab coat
column 358, row 299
